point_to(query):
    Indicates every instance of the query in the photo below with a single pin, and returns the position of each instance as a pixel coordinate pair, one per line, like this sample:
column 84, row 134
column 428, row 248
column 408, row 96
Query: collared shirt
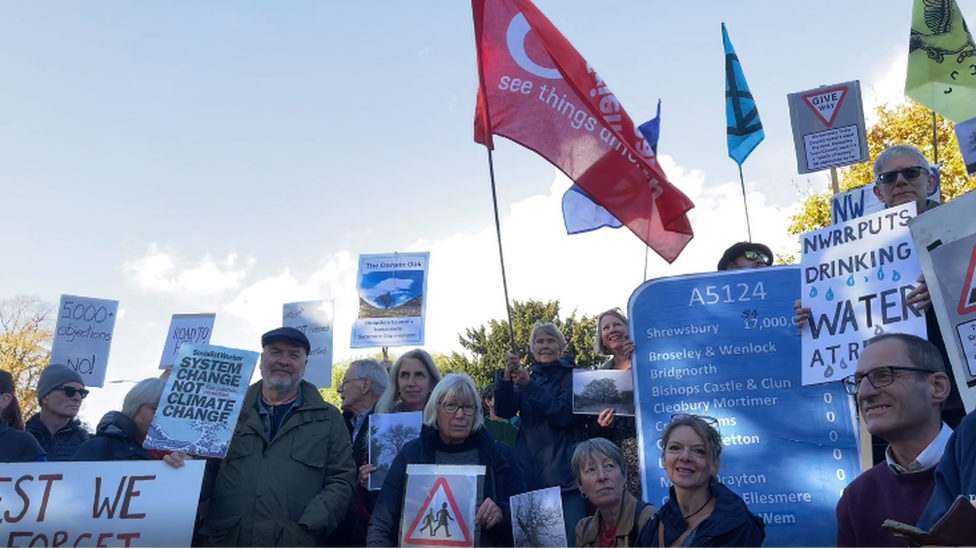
column 358, row 422
column 929, row 457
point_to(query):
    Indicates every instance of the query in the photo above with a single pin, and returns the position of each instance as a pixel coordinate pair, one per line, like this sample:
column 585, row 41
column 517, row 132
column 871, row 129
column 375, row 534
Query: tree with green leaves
column 26, row 334
column 908, row 124
column 487, row 344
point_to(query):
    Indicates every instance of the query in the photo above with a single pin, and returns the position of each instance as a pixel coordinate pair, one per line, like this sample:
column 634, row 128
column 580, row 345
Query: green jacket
column 287, row 491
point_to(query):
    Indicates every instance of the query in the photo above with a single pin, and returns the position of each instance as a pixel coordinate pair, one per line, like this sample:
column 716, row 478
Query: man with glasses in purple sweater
column 900, row 384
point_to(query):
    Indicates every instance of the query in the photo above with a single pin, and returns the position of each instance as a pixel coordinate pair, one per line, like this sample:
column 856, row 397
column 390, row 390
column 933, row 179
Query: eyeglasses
column 753, row 255
column 452, row 408
column 888, row 178
column 878, row 378
column 707, row 419
column 342, row 386
column 70, row 392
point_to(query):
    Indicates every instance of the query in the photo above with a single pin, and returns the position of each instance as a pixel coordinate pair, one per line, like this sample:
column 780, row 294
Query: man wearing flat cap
column 746, row 255
column 288, row 476
column 56, row 427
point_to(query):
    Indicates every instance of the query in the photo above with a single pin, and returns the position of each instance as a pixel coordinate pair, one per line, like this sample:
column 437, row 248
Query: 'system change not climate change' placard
column 202, row 399
column 724, row 345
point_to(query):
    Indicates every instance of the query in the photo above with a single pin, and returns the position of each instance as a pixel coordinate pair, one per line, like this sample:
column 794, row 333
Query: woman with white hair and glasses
column 701, row 511
column 120, row 435
column 453, row 434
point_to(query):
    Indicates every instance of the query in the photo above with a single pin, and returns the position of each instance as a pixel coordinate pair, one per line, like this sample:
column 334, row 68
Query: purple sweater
column 880, row 494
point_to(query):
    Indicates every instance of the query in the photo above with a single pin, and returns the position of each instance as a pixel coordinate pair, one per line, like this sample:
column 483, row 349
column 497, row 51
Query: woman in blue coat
column 453, row 434
column 542, row 396
column 16, row 445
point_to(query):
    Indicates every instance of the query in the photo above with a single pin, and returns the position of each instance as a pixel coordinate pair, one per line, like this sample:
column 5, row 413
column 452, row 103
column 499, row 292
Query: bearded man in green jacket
column 287, row 479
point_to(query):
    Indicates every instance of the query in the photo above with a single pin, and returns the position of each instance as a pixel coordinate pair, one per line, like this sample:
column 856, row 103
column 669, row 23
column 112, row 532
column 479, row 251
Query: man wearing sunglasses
column 745, row 255
column 56, row 427
column 900, row 384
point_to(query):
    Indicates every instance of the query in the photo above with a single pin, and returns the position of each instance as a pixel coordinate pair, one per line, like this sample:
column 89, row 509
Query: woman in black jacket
column 453, row 434
column 16, row 445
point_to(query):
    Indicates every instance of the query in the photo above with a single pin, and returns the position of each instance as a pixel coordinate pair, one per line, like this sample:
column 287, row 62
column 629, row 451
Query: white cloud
column 886, row 86
column 162, row 271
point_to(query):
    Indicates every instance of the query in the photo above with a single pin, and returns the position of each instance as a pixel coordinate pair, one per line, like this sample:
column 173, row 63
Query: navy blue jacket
column 18, row 446
column 546, row 438
column 503, row 479
column 731, row 524
column 114, row 440
column 956, row 473
column 60, row 446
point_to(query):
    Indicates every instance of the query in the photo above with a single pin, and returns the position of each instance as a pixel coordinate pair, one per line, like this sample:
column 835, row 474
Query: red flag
column 538, row 91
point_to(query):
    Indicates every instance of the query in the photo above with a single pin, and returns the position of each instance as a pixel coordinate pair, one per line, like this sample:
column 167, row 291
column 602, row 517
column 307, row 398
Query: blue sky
column 231, row 156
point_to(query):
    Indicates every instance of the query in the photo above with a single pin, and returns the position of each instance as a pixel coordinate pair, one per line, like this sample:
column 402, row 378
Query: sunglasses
column 752, row 256
column 70, row 392
column 887, row 178
column 707, row 419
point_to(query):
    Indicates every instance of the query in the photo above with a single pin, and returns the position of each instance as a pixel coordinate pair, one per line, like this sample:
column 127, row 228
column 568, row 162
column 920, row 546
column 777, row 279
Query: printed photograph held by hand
column 537, row 519
column 596, row 390
column 388, row 434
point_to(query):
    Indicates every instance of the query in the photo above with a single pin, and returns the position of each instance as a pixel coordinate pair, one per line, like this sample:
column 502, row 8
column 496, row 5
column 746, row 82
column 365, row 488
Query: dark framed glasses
column 70, row 392
column 887, row 178
column 752, row 255
column 878, row 377
column 453, row 407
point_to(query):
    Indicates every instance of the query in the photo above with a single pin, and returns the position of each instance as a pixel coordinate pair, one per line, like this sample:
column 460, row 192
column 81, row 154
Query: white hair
column 459, row 386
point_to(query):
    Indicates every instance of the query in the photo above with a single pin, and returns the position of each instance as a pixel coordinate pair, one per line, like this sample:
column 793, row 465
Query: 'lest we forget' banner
column 104, row 504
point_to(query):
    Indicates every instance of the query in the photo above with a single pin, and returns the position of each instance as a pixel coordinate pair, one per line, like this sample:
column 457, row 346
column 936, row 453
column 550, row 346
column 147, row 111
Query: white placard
column 186, row 328
column 83, row 336
column 439, row 499
column 315, row 320
column 856, row 277
column 98, row 504
column 392, row 292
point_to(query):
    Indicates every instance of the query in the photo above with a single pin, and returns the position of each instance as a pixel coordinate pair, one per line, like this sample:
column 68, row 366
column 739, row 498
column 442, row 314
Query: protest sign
column 202, row 399
column 388, row 433
column 724, row 345
column 315, row 320
column 856, row 277
column 98, row 504
column 966, row 136
column 83, row 336
column 392, row 299
column 537, row 518
column 828, row 127
column 945, row 238
column 861, row 201
column 441, row 496
column 596, row 390
column 186, row 328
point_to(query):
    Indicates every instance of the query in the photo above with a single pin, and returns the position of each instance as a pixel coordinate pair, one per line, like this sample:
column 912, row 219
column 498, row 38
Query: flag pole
column 935, row 137
column 742, row 182
column 501, row 256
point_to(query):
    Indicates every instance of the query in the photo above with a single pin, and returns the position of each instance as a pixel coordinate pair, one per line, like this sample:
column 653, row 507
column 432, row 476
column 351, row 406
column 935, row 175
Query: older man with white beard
column 288, row 476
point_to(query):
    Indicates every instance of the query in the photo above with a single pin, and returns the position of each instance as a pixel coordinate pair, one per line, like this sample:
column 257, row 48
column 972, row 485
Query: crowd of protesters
column 296, row 471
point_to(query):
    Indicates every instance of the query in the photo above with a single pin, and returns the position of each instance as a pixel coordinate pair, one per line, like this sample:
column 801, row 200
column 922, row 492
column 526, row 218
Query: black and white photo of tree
column 597, row 390
column 537, row 519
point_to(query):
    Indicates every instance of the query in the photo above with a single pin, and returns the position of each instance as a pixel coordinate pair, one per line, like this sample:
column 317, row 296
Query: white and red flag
column 538, row 91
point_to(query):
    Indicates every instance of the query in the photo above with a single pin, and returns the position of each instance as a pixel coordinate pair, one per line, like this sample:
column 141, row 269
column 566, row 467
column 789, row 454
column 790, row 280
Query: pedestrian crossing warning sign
column 441, row 523
column 967, row 297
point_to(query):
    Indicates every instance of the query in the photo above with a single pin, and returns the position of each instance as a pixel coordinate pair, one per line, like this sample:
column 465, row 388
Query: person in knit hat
column 56, row 427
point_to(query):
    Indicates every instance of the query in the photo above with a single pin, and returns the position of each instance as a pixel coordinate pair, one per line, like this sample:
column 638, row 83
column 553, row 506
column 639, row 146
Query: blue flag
column 580, row 213
column 742, row 118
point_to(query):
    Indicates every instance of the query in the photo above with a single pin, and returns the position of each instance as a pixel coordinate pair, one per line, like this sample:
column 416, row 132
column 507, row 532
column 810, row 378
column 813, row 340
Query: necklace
column 606, row 536
column 707, row 501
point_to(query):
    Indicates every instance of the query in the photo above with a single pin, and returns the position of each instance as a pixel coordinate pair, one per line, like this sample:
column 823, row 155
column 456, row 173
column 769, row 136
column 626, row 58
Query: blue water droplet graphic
column 830, row 294
column 829, row 372
column 881, row 273
column 895, row 276
column 850, row 280
column 813, row 291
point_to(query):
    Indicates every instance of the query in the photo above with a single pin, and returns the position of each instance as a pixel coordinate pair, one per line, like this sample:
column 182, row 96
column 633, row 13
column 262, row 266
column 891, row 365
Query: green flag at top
column 942, row 60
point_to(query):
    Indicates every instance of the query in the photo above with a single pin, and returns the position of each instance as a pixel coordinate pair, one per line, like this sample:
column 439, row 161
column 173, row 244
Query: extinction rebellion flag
column 537, row 90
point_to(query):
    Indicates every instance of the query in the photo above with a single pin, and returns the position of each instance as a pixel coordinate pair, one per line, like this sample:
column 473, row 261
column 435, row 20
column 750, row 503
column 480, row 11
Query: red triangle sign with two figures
column 826, row 103
column 967, row 297
column 434, row 522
